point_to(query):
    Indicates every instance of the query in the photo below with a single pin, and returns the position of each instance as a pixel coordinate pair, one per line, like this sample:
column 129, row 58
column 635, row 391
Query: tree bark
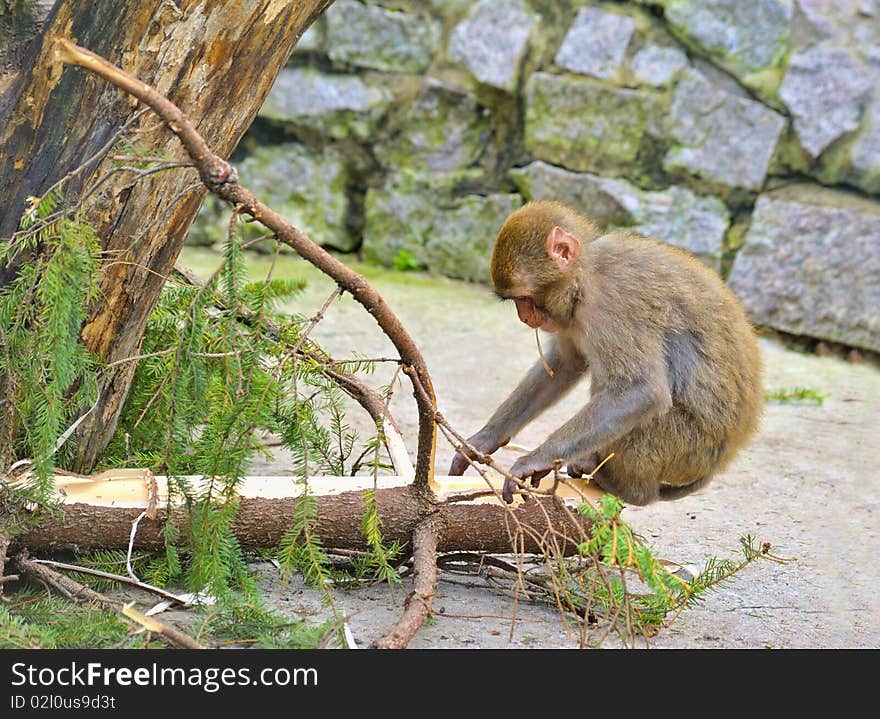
column 425, row 578
column 263, row 521
column 218, row 60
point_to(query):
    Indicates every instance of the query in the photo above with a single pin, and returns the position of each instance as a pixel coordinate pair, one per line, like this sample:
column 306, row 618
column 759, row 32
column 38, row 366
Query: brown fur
column 674, row 364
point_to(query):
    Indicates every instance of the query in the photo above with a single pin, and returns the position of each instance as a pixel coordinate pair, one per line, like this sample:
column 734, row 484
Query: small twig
column 121, row 578
column 317, row 317
column 474, row 558
column 541, row 354
column 172, row 350
column 449, row 615
column 77, row 592
column 150, row 158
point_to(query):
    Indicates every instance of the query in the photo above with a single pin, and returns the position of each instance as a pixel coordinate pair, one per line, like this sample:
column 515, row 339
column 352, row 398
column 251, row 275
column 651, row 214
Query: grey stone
column 825, row 88
column 396, row 225
column 596, row 43
column 492, row 40
column 460, row 244
column 305, row 186
column 679, row 217
column 675, row 215
column 658, row 65
column 584, row 125
column 721, row 138
column 810, row 265
column 745, row 37
column 380, row 39
column 583, row 191
column 855, row 160
column 338, row 106
column 452, row 236
column 865, row 152
column 443, row 135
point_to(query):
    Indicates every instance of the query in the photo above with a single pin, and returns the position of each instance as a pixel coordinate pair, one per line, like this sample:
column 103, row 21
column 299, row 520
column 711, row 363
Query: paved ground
column 809, row 484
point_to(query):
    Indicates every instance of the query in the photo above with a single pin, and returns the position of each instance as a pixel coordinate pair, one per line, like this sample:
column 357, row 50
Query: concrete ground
column 809, row 484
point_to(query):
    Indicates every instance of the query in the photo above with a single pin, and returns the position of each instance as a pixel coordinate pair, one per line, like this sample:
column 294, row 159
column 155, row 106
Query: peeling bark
column 218, row 60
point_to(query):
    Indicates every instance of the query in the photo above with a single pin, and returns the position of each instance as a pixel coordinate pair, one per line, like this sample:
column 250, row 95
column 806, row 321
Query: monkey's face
column 534, row 315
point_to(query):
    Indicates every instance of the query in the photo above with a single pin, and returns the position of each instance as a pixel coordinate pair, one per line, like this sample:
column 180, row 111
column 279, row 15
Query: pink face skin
column 533, row 316
column 563, row 248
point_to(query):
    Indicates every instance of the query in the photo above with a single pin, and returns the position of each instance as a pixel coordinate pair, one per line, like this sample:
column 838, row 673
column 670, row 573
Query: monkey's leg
column 670, row 491
column 632, row 490
column 626, row 487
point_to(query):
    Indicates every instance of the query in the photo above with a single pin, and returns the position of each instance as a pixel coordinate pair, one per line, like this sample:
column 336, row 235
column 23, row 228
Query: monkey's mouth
column 540, row 321
column 548, row 324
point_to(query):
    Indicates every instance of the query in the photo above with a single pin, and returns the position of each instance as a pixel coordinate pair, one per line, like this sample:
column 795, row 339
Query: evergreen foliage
column 47, row 376
column 34, row 620
column 210, row 380
column 623, row 583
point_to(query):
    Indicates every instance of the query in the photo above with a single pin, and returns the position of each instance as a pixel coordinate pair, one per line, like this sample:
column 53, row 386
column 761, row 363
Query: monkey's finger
column 459, row 465
column 538, row 476
column 507, row 491
column 574, row 470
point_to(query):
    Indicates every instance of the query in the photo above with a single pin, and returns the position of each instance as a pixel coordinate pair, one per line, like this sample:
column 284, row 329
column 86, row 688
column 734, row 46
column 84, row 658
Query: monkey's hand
column 481, row 442
column 531, row 465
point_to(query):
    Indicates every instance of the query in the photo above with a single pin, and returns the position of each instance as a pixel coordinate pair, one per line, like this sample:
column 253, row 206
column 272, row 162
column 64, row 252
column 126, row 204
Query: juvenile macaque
column 674, row 367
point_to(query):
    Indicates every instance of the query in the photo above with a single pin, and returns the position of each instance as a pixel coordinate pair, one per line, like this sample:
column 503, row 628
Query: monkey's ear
column 563, row 247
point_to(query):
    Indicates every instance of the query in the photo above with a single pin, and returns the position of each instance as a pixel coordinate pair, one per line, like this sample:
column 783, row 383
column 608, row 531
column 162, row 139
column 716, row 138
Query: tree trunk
column 215, row 60
column 97, row 513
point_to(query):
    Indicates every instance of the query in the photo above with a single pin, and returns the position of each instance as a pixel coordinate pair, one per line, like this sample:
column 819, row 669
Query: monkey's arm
column 535, row 393
column 610, row 414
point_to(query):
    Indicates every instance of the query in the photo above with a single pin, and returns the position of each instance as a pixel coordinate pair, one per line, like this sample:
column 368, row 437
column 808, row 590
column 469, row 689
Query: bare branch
column 75, row 591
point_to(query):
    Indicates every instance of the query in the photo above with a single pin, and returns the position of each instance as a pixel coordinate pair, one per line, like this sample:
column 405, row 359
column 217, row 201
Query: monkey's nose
column 528, row 314
column 531, row 321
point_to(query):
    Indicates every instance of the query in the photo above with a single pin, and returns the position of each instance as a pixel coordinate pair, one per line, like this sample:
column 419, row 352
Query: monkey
column 674, row 365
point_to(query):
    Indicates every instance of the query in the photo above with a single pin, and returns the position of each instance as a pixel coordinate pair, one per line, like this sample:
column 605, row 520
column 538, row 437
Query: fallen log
column 97, row 512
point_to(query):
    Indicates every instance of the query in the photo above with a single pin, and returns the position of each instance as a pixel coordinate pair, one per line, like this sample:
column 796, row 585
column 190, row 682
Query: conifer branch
column 222, row 179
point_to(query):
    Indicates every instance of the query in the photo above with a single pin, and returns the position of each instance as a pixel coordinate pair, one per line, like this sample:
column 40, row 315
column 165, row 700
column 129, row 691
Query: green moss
column 404, row 261
column 765, row 83
column 836, row 163
column 789, row 156
column 795, row 394
column 582, row 124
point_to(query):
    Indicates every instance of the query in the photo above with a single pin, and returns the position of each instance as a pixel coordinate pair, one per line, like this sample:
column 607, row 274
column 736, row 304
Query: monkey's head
column 535, row 259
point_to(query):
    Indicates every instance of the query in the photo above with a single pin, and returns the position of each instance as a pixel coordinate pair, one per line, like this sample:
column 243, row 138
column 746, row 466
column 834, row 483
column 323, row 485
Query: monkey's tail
column 669, row 492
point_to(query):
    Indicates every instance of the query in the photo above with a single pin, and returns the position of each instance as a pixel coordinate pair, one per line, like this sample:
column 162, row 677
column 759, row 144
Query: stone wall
column 747, row 131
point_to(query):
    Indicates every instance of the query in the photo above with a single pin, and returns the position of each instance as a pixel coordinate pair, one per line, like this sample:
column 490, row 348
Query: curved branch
column 222, row 180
